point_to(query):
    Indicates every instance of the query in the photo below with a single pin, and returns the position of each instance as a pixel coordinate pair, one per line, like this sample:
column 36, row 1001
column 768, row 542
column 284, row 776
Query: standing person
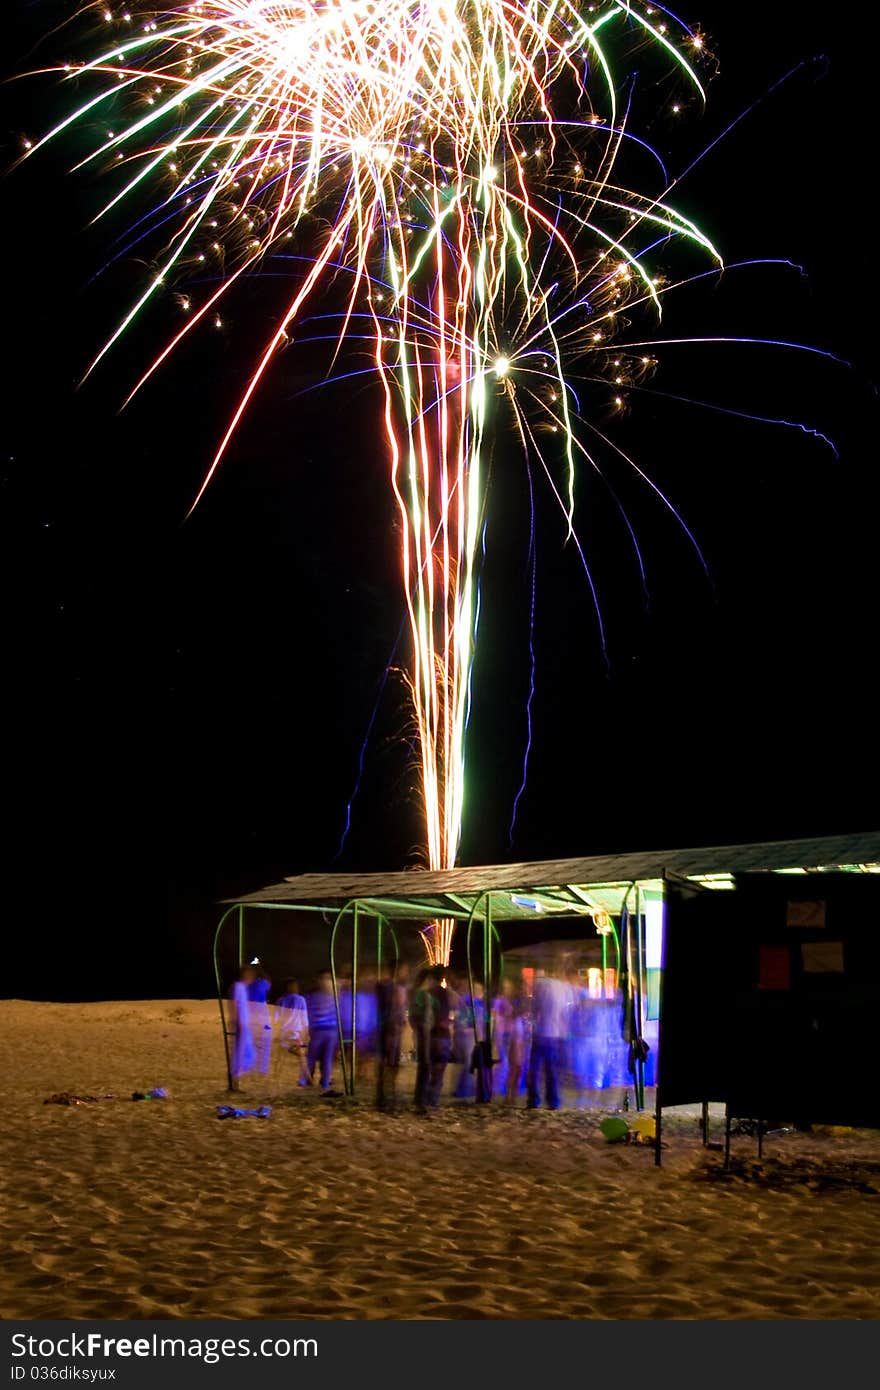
column 243, row 1057
column 390, row 1018
column 323, row 1031
column 442, row 1014
column 291, row 1022
column 502, row 1030
column 462, row 1034
column 421, row 1010
column 579, row 1040
column 468, row 1034
column 346, row 1015
column 519, row 1044
column 551, row 1013
column 261, row 1021
column 366, row 1019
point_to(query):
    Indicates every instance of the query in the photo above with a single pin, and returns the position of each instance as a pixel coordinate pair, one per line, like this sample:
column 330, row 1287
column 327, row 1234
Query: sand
column 328, row 1209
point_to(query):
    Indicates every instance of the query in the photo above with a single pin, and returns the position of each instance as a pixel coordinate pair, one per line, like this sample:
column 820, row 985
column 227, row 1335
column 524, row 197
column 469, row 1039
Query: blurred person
column 421, row 1010
column 391, row 1013
column 462, row 1031
column 408, row 1041
column 261, row 1021
column 502, row 1030
column 551, row 1019
column 578, row 1052
column 519, row 1045
column 367, row 1020
column 323, row 1031
column 345, row 1001
column 291, row 1026
column 432, row 1009
column 407, row 1037
column 443, row 1002
column 346, row 1008
column 469, row 1032
column 243, row 1056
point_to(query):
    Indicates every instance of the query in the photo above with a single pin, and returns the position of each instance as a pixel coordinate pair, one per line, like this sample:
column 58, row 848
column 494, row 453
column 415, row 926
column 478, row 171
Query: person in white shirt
column 551, row 1014
column 291, row 1022
column 243, row 1056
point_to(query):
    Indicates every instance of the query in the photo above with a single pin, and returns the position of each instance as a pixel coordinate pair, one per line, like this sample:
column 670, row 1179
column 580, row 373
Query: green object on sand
column 614, row 1128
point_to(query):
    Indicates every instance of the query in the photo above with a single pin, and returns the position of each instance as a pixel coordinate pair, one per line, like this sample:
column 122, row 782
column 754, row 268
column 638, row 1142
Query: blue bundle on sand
column 231, row 1112
column 157, row 1093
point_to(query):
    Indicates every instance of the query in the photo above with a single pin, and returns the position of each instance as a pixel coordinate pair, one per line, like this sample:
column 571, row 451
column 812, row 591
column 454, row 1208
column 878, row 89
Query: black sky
column 186, row 703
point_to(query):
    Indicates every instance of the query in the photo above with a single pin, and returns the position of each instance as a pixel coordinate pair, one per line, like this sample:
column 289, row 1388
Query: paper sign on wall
column 822, row 957
column 805, row 914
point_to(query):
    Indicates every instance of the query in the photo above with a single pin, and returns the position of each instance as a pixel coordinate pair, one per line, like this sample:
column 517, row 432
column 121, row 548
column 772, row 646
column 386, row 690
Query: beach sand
column 329, row 1209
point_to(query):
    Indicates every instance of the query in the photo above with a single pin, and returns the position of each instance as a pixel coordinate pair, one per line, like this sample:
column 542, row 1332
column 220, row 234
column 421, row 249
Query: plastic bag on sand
column 157, row 1093
column 643, row 1129
column 232, row 1112
column 614, row 1129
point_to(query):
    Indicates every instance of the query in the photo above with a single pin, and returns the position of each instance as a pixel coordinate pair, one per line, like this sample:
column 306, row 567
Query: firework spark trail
column 532, row 564
column 428, row 149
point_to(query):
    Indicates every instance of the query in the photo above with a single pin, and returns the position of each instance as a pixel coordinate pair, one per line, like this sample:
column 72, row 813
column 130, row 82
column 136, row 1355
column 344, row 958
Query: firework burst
column 455, row 161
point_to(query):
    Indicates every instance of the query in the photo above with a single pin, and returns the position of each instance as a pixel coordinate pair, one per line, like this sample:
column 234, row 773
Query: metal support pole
column 639, row 1003
column 354, row 980
column 624, row 949
column 658, row 1103
column 219, row 982
column 470, row 972
column 393, row 935
column 485, row 1074
column 240, row 935
column 480, row 1043
column 704, row 1122
column 339, row 917
column 727, row 1135
column 487, row 970
column 616, row 952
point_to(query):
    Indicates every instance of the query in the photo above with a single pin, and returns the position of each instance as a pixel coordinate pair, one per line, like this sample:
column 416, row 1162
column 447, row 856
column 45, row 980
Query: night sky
column 186, row 701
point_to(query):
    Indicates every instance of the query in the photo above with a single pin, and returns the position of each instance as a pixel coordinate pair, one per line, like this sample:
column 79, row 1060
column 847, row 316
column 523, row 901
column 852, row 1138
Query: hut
column 630, row 914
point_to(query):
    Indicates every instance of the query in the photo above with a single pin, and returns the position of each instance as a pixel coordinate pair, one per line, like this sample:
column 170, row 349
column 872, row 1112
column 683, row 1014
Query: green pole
column 396, row 948
column 500, row 952
column 240, row 935
column 219, row 982
column 658, row 1097
column 624, row 944
column 339, row 917
column 354, row 981
column 487, row 972
column 470, row 972
column 639, row 1000
column 486, row 1076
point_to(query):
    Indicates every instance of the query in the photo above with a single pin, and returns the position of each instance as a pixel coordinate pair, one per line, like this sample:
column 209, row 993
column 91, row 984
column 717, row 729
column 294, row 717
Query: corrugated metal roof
column 440, row 891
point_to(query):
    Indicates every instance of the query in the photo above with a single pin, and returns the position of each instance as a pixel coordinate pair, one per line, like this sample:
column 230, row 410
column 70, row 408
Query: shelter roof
column 559, row 887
